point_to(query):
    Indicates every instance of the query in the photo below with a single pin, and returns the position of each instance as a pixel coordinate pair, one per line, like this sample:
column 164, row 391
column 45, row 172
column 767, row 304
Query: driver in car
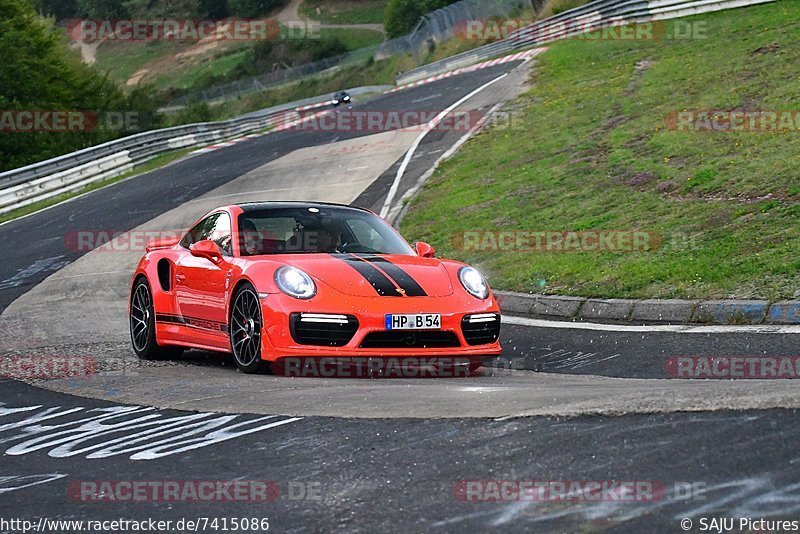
column 329, row 240
column 251, row 238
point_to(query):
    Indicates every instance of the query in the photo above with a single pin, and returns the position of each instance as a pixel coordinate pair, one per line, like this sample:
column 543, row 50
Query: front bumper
column 278, row 342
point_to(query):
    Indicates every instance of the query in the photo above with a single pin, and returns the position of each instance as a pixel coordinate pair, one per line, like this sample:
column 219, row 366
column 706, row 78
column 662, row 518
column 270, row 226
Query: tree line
column 400, row 16
column 124, row 9
column 39, row 74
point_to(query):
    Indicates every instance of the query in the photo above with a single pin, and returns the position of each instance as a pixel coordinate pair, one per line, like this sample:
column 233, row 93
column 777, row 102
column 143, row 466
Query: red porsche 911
column 278, row 280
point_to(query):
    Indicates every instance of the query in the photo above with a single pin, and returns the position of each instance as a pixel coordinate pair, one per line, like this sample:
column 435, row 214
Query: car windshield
column 315, row 230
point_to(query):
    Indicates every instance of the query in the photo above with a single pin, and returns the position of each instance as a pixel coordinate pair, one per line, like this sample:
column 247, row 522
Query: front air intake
column 420, row 339
column 481, row 329
column 322, row 330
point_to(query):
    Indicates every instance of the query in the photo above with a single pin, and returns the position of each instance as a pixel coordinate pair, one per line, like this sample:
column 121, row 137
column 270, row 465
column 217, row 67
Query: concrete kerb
column 668, row 311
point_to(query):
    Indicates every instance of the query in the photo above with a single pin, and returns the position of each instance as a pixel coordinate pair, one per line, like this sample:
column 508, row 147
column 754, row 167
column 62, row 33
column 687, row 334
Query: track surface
column 375, row 475
column 397, row 474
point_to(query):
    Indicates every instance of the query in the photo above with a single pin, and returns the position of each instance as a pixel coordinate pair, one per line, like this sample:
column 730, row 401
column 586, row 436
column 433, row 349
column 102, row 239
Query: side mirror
column 206, row 249
column 424, row 250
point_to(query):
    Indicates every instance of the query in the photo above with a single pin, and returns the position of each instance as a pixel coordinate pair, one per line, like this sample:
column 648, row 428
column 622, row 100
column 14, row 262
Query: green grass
column 155, row 163
column 227, row 66
column 554, row 7
column 590, row 151
column 122, row 59
column 219, row 67
column 344, row 11
column 353, row 39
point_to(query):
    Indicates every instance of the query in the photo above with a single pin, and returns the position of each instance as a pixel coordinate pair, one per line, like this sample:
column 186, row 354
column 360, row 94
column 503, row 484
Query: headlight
column 295, row 283
column 335, row 102
column 473, row 282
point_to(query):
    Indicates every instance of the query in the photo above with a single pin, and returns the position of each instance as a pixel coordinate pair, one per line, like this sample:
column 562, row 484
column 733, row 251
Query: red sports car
column 287, row 280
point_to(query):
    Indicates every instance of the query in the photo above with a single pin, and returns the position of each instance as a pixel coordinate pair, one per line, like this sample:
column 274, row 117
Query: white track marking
column 90, row 274
column 423, row 99
column 676, row 328
column 395, row 212
column 525, row 56
column 428, row 127
column 18, row 482
column 141, row 432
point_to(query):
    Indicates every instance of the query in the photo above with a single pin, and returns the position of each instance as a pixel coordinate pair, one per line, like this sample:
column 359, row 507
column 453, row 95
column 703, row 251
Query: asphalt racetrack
column 586, row 404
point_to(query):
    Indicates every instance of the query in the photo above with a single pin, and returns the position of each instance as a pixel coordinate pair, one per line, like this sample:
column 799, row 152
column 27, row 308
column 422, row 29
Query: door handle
column 180, row 278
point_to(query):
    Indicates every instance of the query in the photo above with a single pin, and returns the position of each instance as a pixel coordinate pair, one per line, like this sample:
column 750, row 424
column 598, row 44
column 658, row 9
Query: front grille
column 481, row 329
column 410, row 340
column 321, row 330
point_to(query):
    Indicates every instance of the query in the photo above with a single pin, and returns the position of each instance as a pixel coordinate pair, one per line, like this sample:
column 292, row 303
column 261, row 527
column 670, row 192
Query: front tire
column 143, row 325
column 245, row 326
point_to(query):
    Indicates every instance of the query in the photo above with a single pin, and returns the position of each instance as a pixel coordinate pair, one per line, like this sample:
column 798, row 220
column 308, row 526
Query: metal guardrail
column 47, row 179
column 457, row 61
column 590, row 17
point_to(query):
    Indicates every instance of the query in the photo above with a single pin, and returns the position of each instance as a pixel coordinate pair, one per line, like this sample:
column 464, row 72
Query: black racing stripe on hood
column 400, row 277
column 382, row 285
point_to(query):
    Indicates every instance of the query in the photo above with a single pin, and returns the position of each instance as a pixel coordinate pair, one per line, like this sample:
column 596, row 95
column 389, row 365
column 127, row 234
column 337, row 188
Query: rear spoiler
column 162, row 243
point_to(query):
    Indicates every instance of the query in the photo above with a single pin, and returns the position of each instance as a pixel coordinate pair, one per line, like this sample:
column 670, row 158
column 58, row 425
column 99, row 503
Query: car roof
column 249, row 207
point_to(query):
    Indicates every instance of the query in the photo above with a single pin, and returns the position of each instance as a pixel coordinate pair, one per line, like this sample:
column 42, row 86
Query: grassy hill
column 591, row 148
column 344, row 11
column 191, row 66
column 172, row 66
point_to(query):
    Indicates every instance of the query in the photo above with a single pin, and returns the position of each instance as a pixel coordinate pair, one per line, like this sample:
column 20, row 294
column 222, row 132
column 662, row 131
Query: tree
column 215, row 9
column 402, row 16
column 149, row 9
column 102, row 9
column 60, row 9
column 250, row 9
column 40, row 73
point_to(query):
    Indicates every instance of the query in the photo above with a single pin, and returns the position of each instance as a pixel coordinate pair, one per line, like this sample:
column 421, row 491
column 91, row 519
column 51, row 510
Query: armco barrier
column 64, row 174
column 25, row 186
column 592, row 16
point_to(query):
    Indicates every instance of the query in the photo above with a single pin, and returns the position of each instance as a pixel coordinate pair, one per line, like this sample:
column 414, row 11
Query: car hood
column 364, row 275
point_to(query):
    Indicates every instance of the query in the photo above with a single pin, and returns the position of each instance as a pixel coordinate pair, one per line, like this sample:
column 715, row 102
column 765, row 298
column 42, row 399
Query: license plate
column 423, row 321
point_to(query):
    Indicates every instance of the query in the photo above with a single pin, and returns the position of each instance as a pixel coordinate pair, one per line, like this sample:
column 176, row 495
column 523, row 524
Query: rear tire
column 143, row 325
column 246, row 326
